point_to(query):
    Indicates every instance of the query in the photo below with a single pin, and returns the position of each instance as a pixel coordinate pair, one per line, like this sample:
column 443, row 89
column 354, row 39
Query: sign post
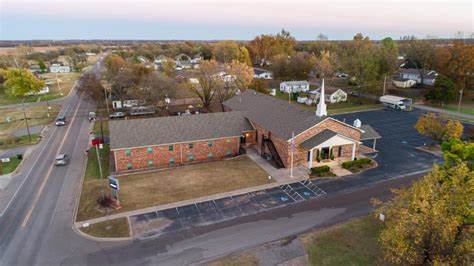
column 114, row 184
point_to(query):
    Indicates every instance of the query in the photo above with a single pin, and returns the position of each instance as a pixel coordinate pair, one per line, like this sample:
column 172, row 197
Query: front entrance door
column 325, row 153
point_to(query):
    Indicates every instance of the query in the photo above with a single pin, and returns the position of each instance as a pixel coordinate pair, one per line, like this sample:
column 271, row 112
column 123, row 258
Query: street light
column 460, row 99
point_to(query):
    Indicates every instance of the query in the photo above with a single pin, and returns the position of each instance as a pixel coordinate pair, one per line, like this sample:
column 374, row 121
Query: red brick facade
column 175, row 154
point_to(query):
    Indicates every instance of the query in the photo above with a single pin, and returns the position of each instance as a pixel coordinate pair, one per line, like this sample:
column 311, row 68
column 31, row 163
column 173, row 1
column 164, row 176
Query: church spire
column 321, row 108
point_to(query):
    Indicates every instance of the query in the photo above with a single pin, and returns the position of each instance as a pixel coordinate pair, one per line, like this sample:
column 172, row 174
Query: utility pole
column 98, row 160
column 106, row 101
column 460, row 100
column 101, row 129
column 26, row 119
column 384, row 82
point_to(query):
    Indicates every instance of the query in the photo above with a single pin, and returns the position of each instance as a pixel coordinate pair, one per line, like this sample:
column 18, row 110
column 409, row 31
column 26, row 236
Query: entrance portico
column 326, row 143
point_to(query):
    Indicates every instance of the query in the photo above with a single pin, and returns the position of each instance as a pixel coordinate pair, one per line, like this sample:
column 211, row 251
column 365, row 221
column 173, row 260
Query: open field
column 36, row 115
column 351, row 243
column 10, row 50
column 6, row 168
column 66, row 82
column 14, row 142
column 113, row 228
column 143, row 190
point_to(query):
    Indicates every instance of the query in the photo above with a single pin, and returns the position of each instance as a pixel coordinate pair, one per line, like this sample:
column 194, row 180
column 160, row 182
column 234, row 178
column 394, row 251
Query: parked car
column 342, row 75
column 61, row 120
column 61, row 159
column 117, row 115
column 92, row 116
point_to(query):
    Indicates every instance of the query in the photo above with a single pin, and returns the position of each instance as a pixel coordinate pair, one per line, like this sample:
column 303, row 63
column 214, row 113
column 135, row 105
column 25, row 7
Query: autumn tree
column 439, row 128
column 325, row 64
column 91, row 87
column 239, row 78
column 296, row 67
column 113, row 64
column 20, row 82
column 259, row 85
column 429, row 223
column 209, row 82
column 461, row 64
column 388, row 53
column 443, row 90
column 264, row 47
column 226, row 51
column 154, row 88
column 456, row 151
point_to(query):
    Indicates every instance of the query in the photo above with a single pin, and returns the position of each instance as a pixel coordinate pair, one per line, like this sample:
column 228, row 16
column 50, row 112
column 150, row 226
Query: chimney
column 321, row 108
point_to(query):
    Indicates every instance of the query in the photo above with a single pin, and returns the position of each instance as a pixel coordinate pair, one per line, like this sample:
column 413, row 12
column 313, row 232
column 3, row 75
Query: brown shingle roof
column 318, row 139
column 278, row 116
column 174, row 129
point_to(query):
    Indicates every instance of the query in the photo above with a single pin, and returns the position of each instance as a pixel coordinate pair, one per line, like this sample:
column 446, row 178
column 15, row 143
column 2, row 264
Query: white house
column 403, row 83
column 44, row 90
column 294, row 86
column 58, row 68
column 260, row 73
column 428, row 76
column 334, row 95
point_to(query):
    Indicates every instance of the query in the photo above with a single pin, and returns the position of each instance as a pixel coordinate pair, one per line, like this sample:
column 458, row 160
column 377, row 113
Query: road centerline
column 38, row 194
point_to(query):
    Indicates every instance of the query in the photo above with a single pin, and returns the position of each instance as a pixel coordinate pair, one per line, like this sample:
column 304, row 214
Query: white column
column 375, row 141
column 353, row 151
column 310, row 162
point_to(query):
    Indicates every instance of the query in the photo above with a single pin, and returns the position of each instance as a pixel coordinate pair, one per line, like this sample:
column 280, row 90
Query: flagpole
column 292, row 149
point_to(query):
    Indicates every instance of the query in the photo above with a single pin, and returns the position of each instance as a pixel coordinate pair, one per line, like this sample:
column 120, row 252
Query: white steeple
column 321, row 108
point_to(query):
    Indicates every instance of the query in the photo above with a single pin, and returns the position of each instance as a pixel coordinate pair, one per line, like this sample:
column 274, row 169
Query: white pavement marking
column 31, row 169
column 28, row 215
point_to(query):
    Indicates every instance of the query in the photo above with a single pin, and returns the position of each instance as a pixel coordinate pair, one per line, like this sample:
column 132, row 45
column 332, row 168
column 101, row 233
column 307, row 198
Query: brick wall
column 160, row 156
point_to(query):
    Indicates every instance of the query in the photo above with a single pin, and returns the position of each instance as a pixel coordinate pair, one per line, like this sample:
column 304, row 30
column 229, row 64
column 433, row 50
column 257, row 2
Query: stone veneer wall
column 160, row 156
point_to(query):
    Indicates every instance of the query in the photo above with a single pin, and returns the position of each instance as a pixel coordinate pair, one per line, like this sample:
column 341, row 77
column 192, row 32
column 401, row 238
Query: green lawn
column 465, row 108
column 112, row 228
column 6, row 168
column 351, row 243
column 8, row 142
column 36, row 115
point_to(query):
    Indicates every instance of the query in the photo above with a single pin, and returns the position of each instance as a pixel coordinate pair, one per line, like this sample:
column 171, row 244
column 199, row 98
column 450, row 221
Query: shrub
column 331, row 156
column 356, row 164
column 320, row 170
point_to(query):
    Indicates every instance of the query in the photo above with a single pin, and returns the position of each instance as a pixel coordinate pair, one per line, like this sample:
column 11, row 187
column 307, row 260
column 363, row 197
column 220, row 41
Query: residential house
column 333, row 95
column 260, row 73
column 294, row 86
column 403, row 83
column 59, row 68
column 160, row 60
column 427, row 77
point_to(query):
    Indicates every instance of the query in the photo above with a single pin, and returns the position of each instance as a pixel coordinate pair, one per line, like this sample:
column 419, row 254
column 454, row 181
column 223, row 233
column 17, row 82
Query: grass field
column 465, row 108
column 66, row 82
column 36, row 115
column 14, row 142
column 170, row 185
column 6, row 168
column 351, row 243
column 112, row 228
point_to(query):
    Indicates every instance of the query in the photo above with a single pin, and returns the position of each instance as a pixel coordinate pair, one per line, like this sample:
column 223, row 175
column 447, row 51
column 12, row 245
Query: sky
column 231, row 19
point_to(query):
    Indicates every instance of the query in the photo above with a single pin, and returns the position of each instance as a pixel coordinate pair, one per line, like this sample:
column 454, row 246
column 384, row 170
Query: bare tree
column 91, row 87
column 209, row 82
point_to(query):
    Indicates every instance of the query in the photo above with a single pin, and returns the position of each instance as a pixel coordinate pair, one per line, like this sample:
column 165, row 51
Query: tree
column 113, row 63
column 20, row 82
column 461, row 64
column 388, row 54
column 244, row 56
column 325, row 64
column 259, row 85
column 429, row 222
column 42, row 66
column 241, row 75
column 91, row 87
column 264, row 47
column 296, row 67
column 439, row 128
column 420, row 55
column 154, row 88
column 456, row 152
column 209, row 82
column 226, row 51
column 443, row 90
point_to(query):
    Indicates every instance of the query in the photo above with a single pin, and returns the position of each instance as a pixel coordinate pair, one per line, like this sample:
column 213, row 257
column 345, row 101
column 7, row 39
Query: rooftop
column 175, row 129
column 295, row 82
column 278, row 116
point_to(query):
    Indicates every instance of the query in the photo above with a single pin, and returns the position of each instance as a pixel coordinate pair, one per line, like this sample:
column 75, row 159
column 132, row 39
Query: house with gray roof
column 420, row 76
column 294, row 86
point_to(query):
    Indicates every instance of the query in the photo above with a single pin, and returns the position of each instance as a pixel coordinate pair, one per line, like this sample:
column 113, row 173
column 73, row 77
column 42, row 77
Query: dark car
column 117, row 115
column 61, row 120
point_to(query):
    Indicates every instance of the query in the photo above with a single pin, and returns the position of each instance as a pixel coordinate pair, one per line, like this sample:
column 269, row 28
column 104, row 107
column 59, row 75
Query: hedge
column 320, row 170
column 358, row 163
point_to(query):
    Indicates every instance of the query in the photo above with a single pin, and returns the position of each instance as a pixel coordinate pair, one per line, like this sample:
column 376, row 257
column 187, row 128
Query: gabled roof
column 278, row 116
column 414, row 71
column 176, row 129
column 295, row 83
column 259, row 71
column 318, row 139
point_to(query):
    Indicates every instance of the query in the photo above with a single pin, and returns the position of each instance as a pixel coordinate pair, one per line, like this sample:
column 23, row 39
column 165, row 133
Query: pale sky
column 235, row 19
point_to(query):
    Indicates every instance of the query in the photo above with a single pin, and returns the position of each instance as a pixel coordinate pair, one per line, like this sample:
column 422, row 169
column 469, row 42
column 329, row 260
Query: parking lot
column 397, row 156
column 208, row 212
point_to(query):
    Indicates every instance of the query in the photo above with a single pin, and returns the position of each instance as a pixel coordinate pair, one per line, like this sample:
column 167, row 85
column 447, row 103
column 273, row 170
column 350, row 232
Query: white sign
column 5, row 160
column 101, row 146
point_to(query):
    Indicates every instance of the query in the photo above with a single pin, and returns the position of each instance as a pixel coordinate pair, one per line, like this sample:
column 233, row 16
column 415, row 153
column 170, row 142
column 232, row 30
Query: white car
column 60, row 121
column 61, row 159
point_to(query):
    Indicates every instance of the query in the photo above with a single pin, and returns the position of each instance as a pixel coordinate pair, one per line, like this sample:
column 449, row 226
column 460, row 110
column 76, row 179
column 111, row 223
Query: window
column 228, row 140
column 210, row 155
column 170, row 148
column 191, row 157
column 150, row 162
column 128, row 152
column 129, row 166
column 209, row 143
column 190, row 145
column 149, row 150
column 229, row 152
column 171, row 161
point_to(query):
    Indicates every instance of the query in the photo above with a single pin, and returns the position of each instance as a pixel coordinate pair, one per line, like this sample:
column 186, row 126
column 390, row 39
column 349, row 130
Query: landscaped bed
column 143, row 190
column 112, row 228
column 321, row 171
column 358, row 165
